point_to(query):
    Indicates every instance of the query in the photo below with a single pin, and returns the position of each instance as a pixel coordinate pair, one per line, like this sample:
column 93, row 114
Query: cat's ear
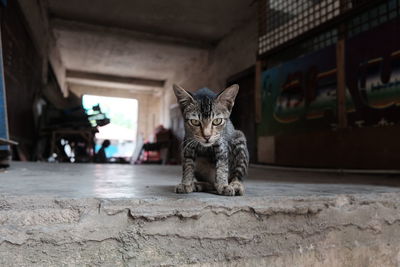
column 227, row 97
column 184, row 97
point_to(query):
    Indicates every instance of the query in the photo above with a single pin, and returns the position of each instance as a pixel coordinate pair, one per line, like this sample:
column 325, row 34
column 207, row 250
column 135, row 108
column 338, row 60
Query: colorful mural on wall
column 373, row 76
column 300, row 95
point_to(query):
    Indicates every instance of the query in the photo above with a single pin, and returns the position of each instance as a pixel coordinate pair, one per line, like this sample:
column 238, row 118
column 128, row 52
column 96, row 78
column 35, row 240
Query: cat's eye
column 194, row 122
column 217, row 121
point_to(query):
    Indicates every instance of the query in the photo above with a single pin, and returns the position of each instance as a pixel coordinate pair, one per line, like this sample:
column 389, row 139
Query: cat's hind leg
column 239, row 162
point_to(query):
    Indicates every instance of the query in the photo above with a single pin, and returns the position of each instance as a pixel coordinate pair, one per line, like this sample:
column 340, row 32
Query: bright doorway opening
column 122, row 129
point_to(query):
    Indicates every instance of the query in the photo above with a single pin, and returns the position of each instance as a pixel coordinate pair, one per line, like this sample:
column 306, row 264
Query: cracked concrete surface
column 74, row 215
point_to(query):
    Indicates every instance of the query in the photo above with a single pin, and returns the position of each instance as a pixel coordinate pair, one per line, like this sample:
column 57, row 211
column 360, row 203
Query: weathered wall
column 22, row 73
column 149, row 105
column 37, row 22
column 233, row 54
column 26, row 42
column 191, row 73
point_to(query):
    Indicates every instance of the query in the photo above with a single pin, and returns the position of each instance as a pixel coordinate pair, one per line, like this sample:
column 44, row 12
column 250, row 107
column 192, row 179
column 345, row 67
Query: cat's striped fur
column 215, row 155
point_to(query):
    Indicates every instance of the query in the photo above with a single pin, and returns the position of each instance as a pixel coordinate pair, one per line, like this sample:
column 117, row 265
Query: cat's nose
column 207, row 137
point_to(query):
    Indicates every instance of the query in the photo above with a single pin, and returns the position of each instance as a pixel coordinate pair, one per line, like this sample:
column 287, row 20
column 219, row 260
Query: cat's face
column 205, row 113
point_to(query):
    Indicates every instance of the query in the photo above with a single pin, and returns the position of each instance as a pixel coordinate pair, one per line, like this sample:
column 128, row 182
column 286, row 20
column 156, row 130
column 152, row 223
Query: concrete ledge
column 341, row 230
column 326, row 170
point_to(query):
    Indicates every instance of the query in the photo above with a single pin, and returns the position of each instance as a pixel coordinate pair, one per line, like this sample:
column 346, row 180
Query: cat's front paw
column 184, row 188
column 238, row 187
column 225, row 190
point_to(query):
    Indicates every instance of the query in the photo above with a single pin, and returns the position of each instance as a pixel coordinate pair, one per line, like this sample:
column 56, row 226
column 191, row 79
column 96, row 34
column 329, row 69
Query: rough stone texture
column 303, row 231
column 314, row 224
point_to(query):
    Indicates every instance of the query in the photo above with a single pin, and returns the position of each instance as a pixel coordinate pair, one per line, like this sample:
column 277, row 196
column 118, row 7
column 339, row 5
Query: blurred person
column 101, row 156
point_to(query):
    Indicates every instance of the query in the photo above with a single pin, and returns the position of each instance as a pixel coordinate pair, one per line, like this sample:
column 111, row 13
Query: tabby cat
column 214, row 154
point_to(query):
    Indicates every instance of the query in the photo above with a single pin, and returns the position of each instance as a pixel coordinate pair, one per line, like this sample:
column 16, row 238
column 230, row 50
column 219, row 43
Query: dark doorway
column 243, row 114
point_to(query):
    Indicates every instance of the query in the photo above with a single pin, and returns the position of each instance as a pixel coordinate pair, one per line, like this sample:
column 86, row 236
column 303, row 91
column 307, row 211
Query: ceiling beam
column 91, row 76
column 81, row 89
column 83, row 26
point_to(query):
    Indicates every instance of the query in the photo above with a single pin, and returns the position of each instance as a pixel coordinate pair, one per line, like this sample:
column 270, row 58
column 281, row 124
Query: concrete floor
column 122, row 215
column 127, row 181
